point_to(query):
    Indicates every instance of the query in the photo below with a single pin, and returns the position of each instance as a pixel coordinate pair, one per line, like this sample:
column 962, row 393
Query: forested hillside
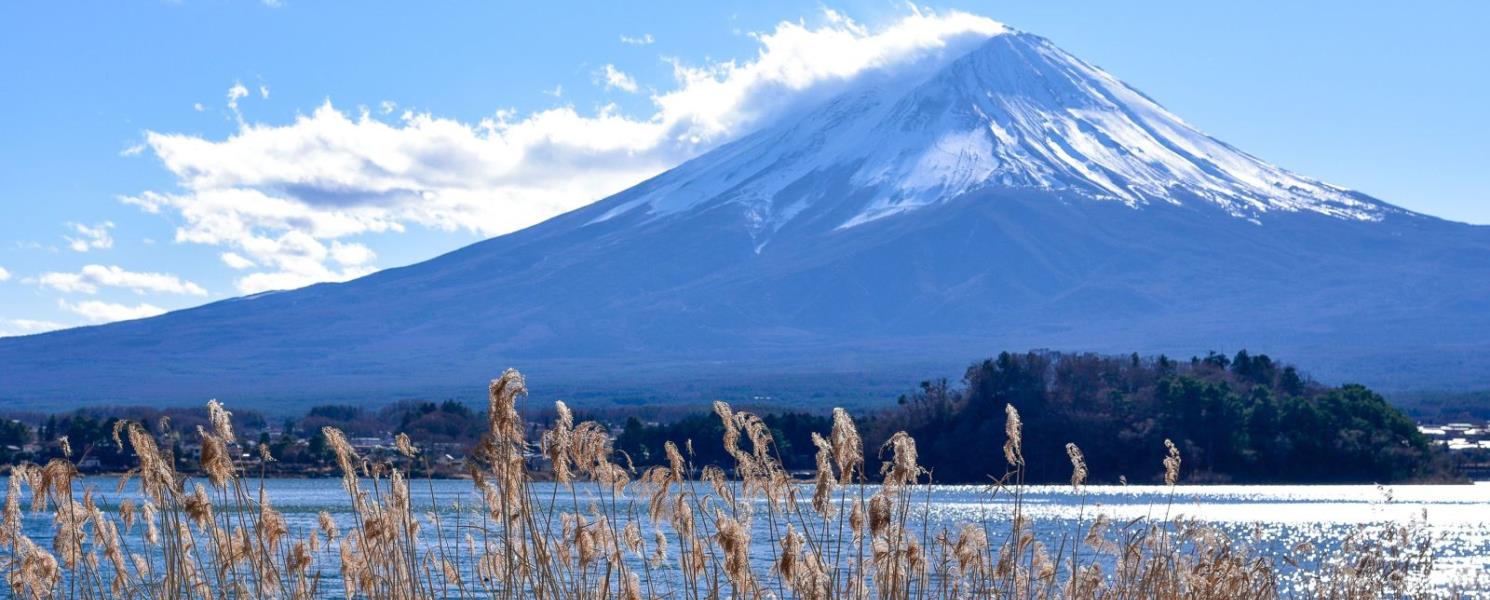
column 1237, row 418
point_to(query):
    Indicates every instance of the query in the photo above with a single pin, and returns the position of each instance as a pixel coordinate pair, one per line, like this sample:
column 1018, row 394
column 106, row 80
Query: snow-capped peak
column 1017, row 112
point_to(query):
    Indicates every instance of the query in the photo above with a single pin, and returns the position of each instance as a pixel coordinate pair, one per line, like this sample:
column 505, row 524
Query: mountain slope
column 1015, row 198
column 1016, row 113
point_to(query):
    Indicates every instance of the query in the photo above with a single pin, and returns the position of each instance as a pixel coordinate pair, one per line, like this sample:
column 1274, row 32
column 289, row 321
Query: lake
column 1275, row 517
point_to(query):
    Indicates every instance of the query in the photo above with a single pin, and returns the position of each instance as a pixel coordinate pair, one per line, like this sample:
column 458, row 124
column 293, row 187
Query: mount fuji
column 1014, row 198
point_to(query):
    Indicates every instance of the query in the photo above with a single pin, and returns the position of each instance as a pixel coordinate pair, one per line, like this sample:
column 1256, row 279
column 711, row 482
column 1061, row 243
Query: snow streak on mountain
column 1016, row 113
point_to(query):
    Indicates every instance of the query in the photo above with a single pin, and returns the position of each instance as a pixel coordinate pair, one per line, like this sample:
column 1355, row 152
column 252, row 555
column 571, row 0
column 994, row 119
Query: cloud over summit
column 282, row 201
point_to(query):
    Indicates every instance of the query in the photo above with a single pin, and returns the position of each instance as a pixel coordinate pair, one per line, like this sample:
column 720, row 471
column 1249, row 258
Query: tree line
column 1239, row 418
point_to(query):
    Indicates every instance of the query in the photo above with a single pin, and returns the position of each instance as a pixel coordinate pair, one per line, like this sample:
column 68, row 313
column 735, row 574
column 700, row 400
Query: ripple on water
column 1276, row 517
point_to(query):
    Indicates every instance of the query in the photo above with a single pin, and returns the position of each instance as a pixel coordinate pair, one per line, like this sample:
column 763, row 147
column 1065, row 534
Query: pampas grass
column 676, row 531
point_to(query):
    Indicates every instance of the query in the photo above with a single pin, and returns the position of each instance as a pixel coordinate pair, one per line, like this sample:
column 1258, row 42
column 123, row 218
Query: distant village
column 441, row 459
column 1459, row 436
column 445, row 433
column 1469, row 442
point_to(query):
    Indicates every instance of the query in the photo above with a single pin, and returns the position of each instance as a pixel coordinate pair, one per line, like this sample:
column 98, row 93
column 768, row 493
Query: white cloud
column 351, row 255
column 9, row 327
column 107, row 312
column 298, row 260
column 236, row 261
column 264, row 91
column 4, row 274
column 95, row 237
column 133, row 150
column 283, row 195
column 644, row 40
column 92, row 277
column 387, row 106
column 197, row 106
column 64, row 282
column 557, row 92
column 146, row 202
column 236, row 93
column 617, row 79
column 289, row 280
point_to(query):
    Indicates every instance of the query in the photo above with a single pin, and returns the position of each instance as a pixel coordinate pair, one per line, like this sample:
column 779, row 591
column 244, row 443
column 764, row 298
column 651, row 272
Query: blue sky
column 160, row 155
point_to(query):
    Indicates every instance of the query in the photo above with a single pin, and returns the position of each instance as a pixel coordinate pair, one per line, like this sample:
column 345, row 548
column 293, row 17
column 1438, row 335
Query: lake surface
column 1276, row 518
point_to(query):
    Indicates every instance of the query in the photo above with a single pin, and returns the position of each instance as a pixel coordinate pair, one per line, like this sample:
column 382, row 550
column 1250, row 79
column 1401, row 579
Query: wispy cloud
column 92, row 277
column 301, row 260
column 108, row 312
column 10, row 327
column 282, row 195
column 94, row 237
column 644, row 39
column 236, row 93
column 4, row 274
column 236, row 261
column 616, row 79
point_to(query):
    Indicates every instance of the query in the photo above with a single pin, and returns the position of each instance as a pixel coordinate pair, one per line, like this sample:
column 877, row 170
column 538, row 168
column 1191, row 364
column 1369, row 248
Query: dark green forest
column 1240, row 418
column 1442, row 407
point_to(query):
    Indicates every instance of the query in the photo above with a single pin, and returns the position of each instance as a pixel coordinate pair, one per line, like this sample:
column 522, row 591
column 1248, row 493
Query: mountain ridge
column 844, row 239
